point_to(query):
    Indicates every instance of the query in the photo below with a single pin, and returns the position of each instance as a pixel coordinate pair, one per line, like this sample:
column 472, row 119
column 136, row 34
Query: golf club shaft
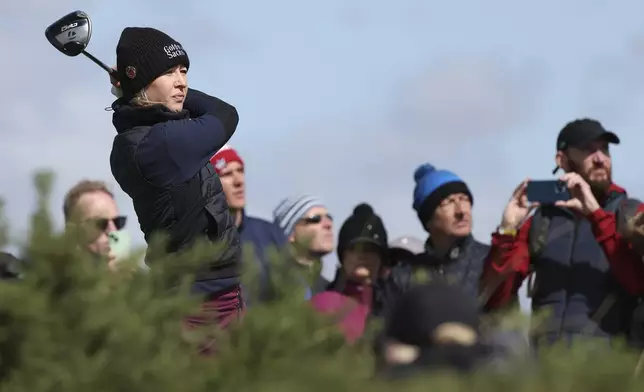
column 101, row 64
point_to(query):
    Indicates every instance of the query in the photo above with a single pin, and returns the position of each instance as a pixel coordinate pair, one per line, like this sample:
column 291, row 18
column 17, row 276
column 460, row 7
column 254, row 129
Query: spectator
column 443, row 203
column 586, row 274
column 91, row 204
column 362, row 252
column 432, row 327
column 257, row 233
column 167, row 134
column 308, row 226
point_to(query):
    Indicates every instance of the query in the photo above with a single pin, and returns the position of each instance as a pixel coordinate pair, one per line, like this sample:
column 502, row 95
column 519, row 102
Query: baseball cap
column 580, row 132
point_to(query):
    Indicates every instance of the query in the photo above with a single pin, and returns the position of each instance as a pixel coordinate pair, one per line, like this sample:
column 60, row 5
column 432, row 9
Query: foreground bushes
column 70, row 325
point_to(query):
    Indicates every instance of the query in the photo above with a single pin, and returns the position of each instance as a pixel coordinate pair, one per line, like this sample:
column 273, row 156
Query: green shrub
column 71, row 325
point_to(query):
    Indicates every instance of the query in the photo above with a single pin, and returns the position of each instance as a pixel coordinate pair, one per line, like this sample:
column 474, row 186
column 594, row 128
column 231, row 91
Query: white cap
column 409, row 243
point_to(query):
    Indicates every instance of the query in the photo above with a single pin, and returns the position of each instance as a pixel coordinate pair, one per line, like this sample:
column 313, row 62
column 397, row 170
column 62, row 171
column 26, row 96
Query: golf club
column 71, row 34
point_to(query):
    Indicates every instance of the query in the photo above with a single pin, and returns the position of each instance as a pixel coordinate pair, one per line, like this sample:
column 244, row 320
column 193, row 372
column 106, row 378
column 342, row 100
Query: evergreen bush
column 71, row 325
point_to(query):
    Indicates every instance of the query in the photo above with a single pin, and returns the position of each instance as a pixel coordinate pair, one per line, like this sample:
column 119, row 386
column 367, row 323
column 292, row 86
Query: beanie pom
column 423, row 170
column 363, row 209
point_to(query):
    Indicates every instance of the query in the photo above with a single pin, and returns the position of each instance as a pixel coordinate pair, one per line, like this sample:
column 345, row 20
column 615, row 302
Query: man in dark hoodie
column 167, row 134
column 443, row 203
column 257, row 236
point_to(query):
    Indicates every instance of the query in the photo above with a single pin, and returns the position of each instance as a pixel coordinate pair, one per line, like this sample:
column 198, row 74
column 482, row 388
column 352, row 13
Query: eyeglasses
column 103, row 223
column 314, row 219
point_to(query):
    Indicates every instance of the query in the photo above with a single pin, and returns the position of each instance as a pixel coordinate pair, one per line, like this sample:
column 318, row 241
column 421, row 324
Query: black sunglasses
column 313, row 219
column 102, row 223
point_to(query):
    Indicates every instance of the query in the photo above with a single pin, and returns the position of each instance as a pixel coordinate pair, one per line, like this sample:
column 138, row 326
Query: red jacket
column 508, row 261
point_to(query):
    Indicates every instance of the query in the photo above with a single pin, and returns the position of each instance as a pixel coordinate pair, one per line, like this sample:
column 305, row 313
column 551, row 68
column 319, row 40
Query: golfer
column 166, row 134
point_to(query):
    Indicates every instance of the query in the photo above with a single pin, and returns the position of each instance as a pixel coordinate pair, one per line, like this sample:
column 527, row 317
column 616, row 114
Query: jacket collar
column 459, row 247
column 126, row 116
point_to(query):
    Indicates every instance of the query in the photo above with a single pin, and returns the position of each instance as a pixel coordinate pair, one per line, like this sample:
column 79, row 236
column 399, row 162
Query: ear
column 291, row 238
column 562, row 161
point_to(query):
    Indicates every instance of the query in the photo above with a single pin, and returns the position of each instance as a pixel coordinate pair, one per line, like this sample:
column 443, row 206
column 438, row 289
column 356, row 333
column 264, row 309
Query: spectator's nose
column 599, row 158
column 111, row 226
column 238, row 180
column 327, row 223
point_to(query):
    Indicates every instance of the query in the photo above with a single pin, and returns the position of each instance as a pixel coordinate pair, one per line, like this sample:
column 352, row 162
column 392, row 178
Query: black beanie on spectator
column 142, row 55
column 364, row 226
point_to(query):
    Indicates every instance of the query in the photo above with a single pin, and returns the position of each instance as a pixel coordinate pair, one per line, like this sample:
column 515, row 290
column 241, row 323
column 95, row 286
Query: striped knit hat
column 290, row 210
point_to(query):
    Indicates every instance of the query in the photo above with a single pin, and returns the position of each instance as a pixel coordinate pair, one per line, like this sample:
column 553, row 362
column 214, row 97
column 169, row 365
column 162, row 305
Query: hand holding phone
column 547, row 192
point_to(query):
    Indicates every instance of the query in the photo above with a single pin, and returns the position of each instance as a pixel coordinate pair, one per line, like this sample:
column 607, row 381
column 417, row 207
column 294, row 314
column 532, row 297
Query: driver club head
column 71, row 33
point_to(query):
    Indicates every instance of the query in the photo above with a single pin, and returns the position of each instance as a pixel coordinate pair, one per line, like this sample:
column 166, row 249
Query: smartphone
column 547, row 191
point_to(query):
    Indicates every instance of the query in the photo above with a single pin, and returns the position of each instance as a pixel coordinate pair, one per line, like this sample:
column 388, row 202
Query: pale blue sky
column 341, row 98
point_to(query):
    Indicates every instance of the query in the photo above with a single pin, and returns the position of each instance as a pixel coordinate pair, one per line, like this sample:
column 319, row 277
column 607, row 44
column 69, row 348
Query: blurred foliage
column 71, row 325
column 4, row 226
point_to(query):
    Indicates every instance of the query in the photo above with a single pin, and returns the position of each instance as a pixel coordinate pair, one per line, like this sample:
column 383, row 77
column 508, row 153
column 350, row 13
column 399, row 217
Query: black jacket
column 161, row 159
column 463, row 266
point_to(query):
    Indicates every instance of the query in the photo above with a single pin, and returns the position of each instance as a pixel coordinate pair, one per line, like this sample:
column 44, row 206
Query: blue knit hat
column 432, row 187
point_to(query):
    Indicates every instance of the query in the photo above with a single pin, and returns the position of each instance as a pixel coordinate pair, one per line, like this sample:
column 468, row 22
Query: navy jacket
column 257, row 237
column 161, row 159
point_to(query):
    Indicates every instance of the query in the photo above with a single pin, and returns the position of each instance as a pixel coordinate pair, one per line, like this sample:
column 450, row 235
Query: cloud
column 471, row 96
column 612, row 86
column 452, row 114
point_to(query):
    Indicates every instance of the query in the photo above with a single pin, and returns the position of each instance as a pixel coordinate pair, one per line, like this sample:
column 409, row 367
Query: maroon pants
column 220, row 310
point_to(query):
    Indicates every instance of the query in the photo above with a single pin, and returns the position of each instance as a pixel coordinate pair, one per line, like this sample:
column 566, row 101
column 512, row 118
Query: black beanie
column 363, row 226
column 142, row 55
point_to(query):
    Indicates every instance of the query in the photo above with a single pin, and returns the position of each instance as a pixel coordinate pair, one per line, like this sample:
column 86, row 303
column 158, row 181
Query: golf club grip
column 101, row 64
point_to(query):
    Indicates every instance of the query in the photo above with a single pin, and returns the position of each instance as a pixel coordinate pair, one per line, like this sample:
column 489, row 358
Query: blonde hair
column 141, row 99
column 74, row 194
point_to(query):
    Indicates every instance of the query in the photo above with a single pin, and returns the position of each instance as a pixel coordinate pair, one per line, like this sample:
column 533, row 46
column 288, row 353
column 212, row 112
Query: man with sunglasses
column 307, row 224
column 256, row 235
column 91, row 205
column 586, row 274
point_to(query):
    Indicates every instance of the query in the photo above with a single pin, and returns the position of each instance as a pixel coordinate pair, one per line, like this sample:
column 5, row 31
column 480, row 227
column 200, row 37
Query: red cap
column 223, row 157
